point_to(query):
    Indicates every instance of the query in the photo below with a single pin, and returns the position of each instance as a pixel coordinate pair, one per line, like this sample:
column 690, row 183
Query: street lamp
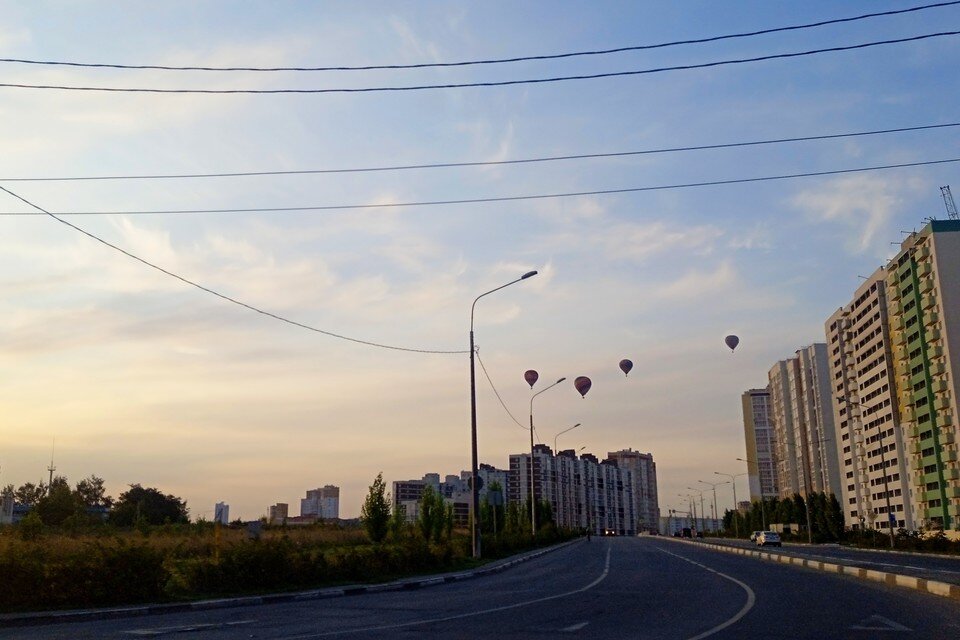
column 883, row 462
column 714, row 485
column 475, row 489
column 693, row 507
column 560, row 434
column 702, row 515
column 736, row 506
column 763, row 513
column 533, row 496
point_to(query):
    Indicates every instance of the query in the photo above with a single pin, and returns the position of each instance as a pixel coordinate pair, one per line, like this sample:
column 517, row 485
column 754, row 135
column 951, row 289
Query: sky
column 141, row 378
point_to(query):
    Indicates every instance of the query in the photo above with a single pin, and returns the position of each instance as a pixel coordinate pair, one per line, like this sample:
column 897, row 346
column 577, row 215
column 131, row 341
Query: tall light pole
column 533, row 495
column 560, row 434
column 693, row 507
column 736, row 507
column 702, row 515
column 714, row 485
column 475, row 489
column 763, row 514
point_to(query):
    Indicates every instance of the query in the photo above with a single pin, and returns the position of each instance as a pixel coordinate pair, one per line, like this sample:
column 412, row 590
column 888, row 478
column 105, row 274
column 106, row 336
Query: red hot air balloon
column 732, row 342
column 583, row 385
column 625, row 366
column 531, row 377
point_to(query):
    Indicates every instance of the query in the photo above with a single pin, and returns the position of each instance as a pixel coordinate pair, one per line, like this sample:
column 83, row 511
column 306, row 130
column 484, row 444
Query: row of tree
column 826, row 516
column 435, row 520
column 87, row 502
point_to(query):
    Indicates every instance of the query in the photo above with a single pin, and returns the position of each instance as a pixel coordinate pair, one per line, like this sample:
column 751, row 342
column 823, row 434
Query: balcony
column 924, row 270
column 939, row 386
column 900, row 353
column 945, row 420
column 907, row 412
column 947, row 436
column 949, row 456
column 934, row 352
column 936, row 369
column 933, row 335
column 931, row 318
column 952, row 492
column 926, row 286
column 942, row 403
column 896, row 323
column 914, row 448
column 921, row 253
column 927, row 301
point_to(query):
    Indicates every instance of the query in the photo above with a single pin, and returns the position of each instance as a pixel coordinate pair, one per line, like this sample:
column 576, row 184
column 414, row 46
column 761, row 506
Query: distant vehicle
column 753, row 536
column 687, row 533
column 769, row 539
column 609, row 532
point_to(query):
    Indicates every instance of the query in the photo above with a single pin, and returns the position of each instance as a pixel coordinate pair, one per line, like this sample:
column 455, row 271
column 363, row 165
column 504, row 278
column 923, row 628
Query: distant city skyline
column 143, row 378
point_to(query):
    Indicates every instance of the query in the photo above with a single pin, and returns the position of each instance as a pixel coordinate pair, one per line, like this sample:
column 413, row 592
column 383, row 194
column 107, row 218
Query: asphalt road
column 608, row 588
column 944, row 569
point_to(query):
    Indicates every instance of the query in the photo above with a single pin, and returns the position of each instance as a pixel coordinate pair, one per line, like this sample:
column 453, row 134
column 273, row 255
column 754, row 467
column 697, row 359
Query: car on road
column 753, row 536
column 769, row 539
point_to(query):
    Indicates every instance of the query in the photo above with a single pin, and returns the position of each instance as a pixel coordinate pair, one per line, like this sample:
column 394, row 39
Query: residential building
column 923, row 285
column 804, row 430
column 873, row 462
column 644, row 485
column 221, row 513
column 278, row 513
column 322, row 503
column 454, row 490
column 759, row 438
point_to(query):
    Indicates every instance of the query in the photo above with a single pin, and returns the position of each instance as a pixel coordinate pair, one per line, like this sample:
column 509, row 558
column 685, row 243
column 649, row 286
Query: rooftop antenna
column 949, row 203
column 51, row 468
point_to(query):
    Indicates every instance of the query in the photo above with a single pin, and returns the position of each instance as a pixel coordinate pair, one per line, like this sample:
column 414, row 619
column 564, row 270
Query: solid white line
column 460, row 616
column 751, row 598
column 575, row 627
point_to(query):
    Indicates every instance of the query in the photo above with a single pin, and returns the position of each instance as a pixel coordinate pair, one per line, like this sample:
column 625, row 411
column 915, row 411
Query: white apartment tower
column 323, row 503
column 758, row 435
column 873, row 461
column 804, row 430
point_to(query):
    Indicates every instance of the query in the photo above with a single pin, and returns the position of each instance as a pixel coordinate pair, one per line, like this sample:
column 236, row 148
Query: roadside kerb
column 934, row 587
column 77, row 615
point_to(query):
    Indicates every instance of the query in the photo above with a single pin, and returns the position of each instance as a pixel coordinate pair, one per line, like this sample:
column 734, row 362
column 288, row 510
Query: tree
column 148, row 506
column 375, row 514
column 58, row 504
column 91, row 493
column 28, row 494
column 431, row 513
column 398, row 522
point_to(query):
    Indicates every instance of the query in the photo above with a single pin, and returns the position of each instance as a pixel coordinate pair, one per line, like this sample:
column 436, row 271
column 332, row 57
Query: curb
column 933, row 587
column 78, row 615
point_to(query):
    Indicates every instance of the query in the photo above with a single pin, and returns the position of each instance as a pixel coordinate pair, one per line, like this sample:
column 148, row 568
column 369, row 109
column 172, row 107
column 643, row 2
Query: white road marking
column 751, row 598
column 460, row 616
column 879, row 623
column 159, row 631
column 575, row 627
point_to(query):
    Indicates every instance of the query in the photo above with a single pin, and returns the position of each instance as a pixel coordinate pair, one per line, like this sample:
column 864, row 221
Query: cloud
column 865, row 204
column 697, row 283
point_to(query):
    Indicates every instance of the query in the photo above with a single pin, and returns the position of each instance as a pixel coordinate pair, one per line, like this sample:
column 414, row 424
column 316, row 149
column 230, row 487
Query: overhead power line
column 429, row 65
column 500, row 83
column 446, row 165
column 222, row 296
column 541, row 196
column 497, row 393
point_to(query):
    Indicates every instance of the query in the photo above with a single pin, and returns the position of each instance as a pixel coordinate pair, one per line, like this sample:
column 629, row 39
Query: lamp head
column 528, row 274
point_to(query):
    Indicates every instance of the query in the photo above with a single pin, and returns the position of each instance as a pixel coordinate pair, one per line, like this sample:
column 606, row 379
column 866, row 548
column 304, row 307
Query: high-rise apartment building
column 278, row 513
column 873, row 462
column 221, row 513
column 923, row 285
column 323, row 503
column 804, row 431
column 758, row 435
column 644, row 485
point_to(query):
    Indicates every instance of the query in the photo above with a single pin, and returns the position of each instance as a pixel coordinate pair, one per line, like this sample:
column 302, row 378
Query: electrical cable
column 221, row 295
column 499, row 83
column 427, row 65
column 543, row 196
column 497, row 393
column 446, row 165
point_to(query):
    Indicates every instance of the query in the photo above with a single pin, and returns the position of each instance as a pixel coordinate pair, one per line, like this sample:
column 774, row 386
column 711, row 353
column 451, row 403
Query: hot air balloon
column 732, row 342
column 531, row 377
column 583, row 385
column 625, row 366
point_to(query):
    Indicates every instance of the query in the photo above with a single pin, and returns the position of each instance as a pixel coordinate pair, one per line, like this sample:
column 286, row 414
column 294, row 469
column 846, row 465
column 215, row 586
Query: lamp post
column 475, row 490
column 763, row 514
column 693, row 507
column 714, row 485
column 533, row 495
column 560, row 434
column 736, row 508
column 883, row 462
column 702, row 513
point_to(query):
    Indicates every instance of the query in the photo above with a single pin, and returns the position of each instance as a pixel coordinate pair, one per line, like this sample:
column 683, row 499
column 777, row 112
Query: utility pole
column 51, row 468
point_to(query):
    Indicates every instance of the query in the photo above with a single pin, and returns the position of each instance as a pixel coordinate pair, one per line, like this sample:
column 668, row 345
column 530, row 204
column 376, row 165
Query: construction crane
column 949, row 203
